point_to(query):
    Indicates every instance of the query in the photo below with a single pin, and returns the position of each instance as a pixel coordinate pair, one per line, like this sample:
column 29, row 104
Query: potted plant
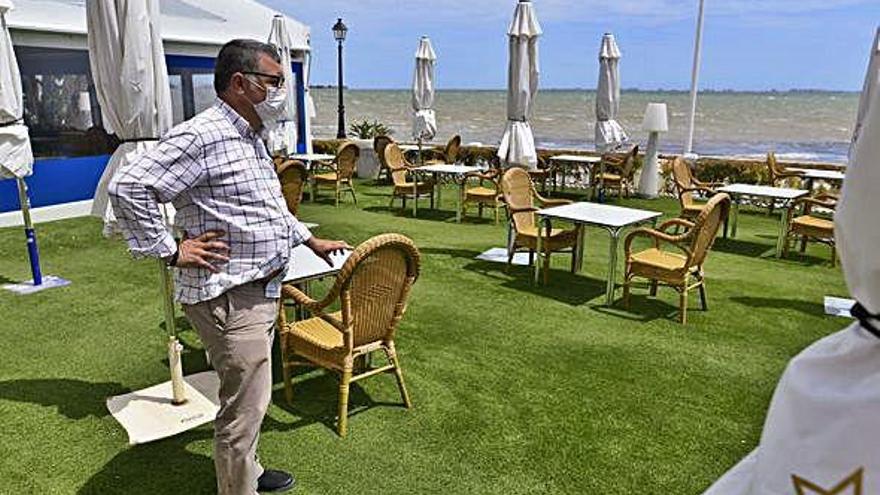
column 363, row 132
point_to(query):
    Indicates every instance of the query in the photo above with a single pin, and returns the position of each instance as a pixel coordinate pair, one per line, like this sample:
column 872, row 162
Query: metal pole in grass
column 30, row 234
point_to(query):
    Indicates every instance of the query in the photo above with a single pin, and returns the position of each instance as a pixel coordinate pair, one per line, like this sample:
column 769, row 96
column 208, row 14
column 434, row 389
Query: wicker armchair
column 448, row 155
column 778, row 173
column 401, row 171
column 619, row 172
column 340, row 178
column 293, row 176
column 676, row 268
column 372, row 289
column 687, row 186
column 810, row 225
column 379, row 144
column 483, row 193
column 519, row 195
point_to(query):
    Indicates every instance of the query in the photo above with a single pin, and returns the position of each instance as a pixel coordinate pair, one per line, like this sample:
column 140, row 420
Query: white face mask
column 272, row 108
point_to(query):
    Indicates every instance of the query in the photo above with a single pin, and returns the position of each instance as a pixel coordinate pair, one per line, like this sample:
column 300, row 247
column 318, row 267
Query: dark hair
column 240, row 56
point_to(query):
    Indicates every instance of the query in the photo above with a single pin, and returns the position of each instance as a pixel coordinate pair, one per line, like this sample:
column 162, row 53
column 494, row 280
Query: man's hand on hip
column 203, row 251
column 324, row 248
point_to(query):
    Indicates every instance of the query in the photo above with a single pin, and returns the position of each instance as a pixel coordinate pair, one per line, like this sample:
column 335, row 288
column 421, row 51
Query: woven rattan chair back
column 396, row 164
column 374, row 285
column 684, row 179
column 706, row 227
column 379, row 144
column 629, row 164
column 453, row 147
column 346, row 160
column 293, row 176
column 518, row 192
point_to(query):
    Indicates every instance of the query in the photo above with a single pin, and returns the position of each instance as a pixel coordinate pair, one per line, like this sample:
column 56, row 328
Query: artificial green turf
column 518, row 388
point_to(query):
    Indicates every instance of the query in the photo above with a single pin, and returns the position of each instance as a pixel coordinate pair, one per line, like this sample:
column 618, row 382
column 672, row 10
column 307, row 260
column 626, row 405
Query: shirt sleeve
column 157, row 176
column 301, row 233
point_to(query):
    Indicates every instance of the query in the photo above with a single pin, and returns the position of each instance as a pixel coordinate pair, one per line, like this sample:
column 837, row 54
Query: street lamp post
column 339, row 32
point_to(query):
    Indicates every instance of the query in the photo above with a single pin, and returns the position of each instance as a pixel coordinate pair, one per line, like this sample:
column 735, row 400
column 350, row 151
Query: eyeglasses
column 274, row 79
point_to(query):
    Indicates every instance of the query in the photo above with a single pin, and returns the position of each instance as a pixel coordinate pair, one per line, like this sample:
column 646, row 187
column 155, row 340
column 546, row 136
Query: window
column 60, row 105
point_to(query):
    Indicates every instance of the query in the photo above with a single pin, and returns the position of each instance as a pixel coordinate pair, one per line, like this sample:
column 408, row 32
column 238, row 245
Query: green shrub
column 365, row 129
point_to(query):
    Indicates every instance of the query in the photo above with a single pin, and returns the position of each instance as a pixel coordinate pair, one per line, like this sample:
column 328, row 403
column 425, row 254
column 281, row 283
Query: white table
column 612, row 218
column 305, row 266
column 409, row 147
column 812, row 174
column 785, row 195
column 584, row 161
column 457, row 174
column 308, row 158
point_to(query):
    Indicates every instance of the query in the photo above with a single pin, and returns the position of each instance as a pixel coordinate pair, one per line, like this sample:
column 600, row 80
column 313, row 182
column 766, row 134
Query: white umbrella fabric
column 424, row 120
column 821, row 431
column 283, row 138
column 872, row 83
column 518, row 144
column 609, row 133
column 131, row 81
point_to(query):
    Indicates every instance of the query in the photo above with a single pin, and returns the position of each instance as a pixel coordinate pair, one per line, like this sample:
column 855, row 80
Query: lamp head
column 655, row 118
column 339, row 30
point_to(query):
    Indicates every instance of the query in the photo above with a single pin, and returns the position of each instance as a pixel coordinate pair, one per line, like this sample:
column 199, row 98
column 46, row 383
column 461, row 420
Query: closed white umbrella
column 283, row 138
column 131, row 81
column 424, row 120
column 872, row 84
column 16, row 157
column 518, row 144
column 821, row 431
column 609, row 133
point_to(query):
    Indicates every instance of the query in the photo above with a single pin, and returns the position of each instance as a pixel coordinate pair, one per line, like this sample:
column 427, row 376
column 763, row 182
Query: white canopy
column 518, row 144
column 284, row 137
column 821, row 431
column 609, row 132
column 16, row 158
column 131, row 81
column 424, row 120
column 185, row 23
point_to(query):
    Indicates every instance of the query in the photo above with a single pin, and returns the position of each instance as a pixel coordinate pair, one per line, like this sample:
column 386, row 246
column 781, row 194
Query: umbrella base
column 27, row 287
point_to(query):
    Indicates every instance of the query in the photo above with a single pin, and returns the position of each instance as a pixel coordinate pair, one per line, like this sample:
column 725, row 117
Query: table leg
column 581, row 247
column 439, row 191
column 783, row 226
column 601, row 182
column 735, row 217
column 415, row 178
column 612, row 266
column 459, row 200
column 539, row 249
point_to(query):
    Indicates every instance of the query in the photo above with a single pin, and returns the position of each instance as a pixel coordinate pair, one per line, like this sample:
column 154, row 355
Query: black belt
column 865, row 318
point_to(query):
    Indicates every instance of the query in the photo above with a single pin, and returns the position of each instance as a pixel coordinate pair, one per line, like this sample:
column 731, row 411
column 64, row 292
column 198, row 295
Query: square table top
column 305, row 265
column 577, row 158
column 599, row 214
column 310, row 157
column 448, row 168
column 812, row 173
column 763, row 191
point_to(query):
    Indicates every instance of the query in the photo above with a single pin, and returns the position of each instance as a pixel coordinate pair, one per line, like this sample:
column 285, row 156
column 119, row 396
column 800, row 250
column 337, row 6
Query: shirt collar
column 240, row 123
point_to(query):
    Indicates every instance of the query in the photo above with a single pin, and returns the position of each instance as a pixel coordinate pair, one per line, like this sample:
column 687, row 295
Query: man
column 237, row 237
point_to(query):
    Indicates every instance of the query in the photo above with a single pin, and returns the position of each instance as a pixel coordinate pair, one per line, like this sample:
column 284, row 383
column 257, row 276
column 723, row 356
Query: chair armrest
column 299, row 297
column 809, row 203
column 681, row 222
column 554, row 202
column 522, row 210
column 657, row 237
column 708, row 185
column 704, row 190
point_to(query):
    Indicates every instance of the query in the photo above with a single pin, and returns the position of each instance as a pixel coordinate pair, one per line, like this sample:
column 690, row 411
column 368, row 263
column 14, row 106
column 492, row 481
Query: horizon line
column 630, row 90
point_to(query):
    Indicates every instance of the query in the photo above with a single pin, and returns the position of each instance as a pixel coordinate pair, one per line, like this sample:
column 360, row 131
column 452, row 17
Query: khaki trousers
column 237, row 329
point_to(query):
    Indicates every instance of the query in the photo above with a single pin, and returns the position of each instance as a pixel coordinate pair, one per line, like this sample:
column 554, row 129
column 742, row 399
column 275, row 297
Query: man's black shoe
column 275, row 481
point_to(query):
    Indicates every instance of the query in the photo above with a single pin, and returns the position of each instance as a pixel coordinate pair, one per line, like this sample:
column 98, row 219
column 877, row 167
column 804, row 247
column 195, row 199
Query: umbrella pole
column 421, row 162
column 33, row 251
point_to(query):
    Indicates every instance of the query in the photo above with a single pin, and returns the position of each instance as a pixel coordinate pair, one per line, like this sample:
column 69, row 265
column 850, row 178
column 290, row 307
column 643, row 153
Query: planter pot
column 368, row 162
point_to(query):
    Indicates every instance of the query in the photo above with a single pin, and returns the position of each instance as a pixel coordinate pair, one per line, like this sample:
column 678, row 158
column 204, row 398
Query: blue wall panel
column 56, row 181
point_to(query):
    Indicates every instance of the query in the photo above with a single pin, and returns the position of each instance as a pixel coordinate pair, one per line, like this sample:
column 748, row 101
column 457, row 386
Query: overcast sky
column 748, row 44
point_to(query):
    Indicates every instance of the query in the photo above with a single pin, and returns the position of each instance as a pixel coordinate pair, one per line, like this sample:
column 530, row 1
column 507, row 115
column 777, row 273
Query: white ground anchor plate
column 499, row 255
column 148, row 415
column 28, row 287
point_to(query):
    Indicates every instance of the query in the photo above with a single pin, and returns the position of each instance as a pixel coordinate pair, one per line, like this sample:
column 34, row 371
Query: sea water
column 802, row 126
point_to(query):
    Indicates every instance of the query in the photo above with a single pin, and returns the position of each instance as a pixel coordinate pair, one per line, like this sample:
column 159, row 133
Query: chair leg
column 627, row 280
column 653, row 289
column 398, row 372
column 531, row 257
column 682, row 305
column 546, row 267
column 336, row 200
column 342, row 425
column 703, row 299
column 833, row 256
column 353, row 194
column 803, row 244
column 288, row 381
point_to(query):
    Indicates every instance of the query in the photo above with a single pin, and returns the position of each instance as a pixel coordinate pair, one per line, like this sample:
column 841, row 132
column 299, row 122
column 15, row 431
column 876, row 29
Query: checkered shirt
column 216, row 172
